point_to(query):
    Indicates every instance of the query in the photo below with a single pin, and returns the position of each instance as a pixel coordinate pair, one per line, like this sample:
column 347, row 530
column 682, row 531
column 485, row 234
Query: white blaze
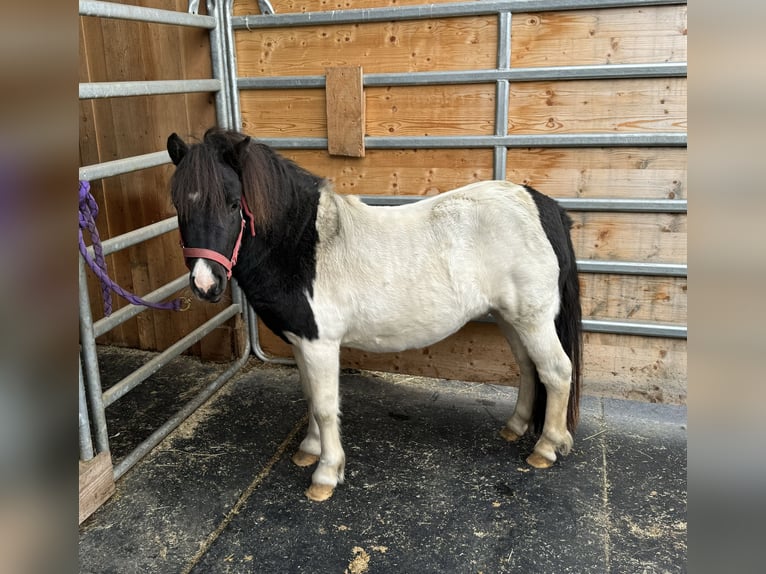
column 202, row 275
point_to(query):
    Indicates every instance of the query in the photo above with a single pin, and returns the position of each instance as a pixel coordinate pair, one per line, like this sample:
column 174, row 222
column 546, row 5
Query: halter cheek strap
column 228, row 264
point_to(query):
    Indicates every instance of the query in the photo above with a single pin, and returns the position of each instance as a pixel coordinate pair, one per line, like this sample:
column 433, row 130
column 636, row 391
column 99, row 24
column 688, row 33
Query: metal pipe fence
column 92, row 399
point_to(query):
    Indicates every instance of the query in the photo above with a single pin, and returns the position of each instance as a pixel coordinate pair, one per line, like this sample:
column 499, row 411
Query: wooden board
column 464, row 43
column 402, row 111
column 640, row 35
column 460, row 110
column 650, row 173
column 655, row 237
column 398, row 172
column 598, row 106
column 633, row 297
column 344, row 95
column 96, row 479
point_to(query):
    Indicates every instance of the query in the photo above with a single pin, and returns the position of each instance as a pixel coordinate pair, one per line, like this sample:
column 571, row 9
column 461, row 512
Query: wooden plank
column 463, row 43
column 655, row 237
column 431, row 110
column 601, row 172
column 640, row 35
column 598, row 106
column 633, row 297
column 619, row 366
column 593, row 172
column 398, row 172
column 393, row 111
column 284, row 113
column 96, row 479
column 344, row 96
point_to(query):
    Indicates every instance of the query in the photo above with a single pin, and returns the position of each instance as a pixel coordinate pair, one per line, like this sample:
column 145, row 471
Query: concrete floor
column 430, row 486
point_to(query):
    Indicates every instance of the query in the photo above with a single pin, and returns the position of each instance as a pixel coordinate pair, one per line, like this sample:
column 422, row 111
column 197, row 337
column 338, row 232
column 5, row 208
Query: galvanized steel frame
column 501, row 141
column 92, row 400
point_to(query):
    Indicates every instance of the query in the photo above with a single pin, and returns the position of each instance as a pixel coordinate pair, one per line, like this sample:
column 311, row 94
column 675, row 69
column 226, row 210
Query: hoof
column 301, row 458
column 319, row 492
column 509, row 435
column 539, row 461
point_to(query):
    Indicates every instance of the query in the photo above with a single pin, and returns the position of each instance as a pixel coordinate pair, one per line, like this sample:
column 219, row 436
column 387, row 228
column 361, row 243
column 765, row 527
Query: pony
column 324, row 270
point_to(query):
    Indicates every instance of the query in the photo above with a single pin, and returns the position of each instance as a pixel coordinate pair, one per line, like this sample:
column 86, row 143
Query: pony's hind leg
column 518, row 424
column 536, row 347
column 555, row 371
column 321, row 364
column 310, row 448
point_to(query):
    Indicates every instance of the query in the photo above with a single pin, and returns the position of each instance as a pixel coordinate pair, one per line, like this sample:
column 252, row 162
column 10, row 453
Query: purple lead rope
column 88, row 213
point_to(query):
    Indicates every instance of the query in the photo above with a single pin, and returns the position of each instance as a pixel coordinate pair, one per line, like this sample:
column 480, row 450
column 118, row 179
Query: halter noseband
column 228, row 264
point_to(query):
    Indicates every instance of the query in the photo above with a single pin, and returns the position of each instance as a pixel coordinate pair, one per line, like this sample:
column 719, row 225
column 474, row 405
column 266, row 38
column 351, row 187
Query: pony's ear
column 176, row 148
column 234, row 157
column 241, row 149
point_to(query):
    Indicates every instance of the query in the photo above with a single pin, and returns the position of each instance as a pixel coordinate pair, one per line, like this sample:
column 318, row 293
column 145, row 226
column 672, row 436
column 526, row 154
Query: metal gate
column 92, row 399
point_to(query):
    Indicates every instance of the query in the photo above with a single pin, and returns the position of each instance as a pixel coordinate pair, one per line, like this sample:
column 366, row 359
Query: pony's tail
column 569, row 330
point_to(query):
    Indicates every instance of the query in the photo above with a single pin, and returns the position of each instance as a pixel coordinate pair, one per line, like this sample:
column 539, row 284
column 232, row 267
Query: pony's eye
column 235, row 206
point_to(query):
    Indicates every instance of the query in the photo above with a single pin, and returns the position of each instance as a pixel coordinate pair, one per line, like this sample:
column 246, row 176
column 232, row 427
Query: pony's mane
column 270, row 182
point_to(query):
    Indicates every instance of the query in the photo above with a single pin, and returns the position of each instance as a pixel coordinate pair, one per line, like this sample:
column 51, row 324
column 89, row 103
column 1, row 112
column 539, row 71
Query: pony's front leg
column 321, row 364
column 310, row 448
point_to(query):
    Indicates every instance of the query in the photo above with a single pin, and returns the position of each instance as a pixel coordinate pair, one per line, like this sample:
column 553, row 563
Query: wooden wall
column 616, row 365
column 116, row 50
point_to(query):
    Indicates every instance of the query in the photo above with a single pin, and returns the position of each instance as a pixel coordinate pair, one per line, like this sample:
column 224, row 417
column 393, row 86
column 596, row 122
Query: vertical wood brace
column 345, row 111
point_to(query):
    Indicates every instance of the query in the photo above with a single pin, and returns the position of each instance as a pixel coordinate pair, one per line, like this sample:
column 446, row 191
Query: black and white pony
column 324, row 270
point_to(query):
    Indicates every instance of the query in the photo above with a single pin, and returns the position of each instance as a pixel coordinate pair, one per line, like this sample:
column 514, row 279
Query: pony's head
column 213, row 215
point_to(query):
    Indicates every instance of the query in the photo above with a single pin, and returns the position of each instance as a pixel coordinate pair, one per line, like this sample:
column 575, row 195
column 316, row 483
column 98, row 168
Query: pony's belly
column 391, row 338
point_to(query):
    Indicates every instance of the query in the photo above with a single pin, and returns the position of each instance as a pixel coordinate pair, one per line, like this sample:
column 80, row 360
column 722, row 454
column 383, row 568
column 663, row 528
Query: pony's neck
column 282, row 254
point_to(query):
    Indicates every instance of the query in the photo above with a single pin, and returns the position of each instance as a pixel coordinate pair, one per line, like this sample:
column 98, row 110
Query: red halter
column 228, row 264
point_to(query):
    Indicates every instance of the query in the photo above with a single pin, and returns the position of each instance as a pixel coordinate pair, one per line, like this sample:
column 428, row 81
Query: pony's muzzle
column 207, row 280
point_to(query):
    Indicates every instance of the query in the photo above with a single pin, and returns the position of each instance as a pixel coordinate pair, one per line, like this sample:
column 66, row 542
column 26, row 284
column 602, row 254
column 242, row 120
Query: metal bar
column 623, row 205
column 521, row 141
column 514, row 141
column 364, row 15
column 549, row 73
column 90, row 358
column 641, row 329
column 532, row 74
column 571, row 204
column 136, row 236
column 219, row 67
column 96, row 90
column 502, row 88
column 632, row 268
column 231, row 63
column 136, row 377
column 171, row 424
column 281, row 82
column 120, row 166
column 256, row 343
column 617, row 327
column 86, row 443
column 428, row 11
column 129, row 311
column 141, row 14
